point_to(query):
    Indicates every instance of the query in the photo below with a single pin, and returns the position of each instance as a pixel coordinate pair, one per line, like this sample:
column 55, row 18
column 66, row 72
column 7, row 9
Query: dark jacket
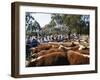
column 34, row 43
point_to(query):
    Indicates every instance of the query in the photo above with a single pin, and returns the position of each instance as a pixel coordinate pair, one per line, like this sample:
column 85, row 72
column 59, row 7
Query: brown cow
column 41, row 47
column 84, row 51
column 51, row 50
column 51, row 56
column 77, row 58
column 55, row 58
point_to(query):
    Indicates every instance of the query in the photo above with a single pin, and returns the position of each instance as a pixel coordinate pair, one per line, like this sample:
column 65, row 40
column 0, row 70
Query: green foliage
column 70, row 24
column 32, row 26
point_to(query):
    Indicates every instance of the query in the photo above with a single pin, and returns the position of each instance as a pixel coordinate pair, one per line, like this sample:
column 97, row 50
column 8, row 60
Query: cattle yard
column 54, row 39
column 59, row 53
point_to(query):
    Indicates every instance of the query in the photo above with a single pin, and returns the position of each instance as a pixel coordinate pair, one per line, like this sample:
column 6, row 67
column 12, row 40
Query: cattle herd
column 59, row 53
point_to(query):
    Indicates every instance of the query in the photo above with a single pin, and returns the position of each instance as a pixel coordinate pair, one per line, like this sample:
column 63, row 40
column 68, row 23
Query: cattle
column 51, row 50
column 58, row 54
column 31, row 63
column 41, row 47
column 50, row 57
column 84, row 51
column 77, row 58
column 42, row 52
column 53, row 59
column 38, row 51
column 68, row 44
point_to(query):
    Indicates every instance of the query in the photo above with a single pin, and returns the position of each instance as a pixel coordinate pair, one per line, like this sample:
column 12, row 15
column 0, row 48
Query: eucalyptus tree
column 68, row 24
column 32, row 26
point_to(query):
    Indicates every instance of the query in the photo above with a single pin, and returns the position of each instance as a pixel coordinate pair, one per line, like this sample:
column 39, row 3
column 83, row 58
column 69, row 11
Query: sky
column 42, row 18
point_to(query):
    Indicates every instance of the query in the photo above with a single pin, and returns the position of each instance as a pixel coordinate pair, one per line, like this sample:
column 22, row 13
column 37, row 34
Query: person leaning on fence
column 34, row 43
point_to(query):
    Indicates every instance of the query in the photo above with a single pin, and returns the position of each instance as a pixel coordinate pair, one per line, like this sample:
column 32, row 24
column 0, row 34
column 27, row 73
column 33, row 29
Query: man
column 34, row 43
